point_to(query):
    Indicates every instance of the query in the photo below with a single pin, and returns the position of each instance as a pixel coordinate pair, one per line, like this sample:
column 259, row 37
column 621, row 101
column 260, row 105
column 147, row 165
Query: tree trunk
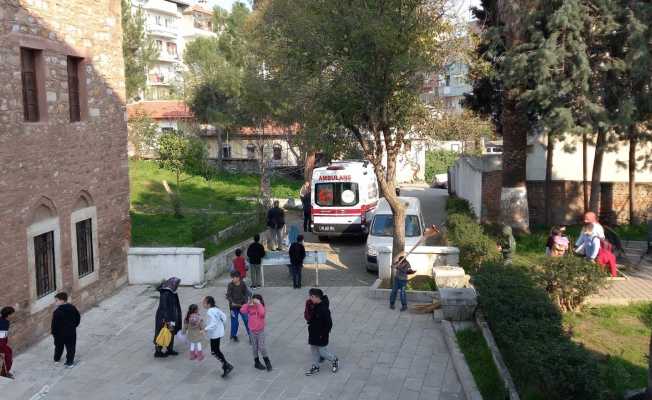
column 585, row 168
column 633, row 140
column 265, row 181
column 309, row 165
column 550, row 148
column 220, row 150
column 514, row 210
column 596, row 178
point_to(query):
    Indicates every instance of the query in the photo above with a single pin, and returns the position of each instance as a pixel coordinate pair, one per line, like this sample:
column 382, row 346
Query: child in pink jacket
column 255, row 309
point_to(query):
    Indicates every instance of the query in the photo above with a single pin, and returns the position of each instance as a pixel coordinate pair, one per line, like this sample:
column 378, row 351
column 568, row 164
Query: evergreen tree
column 138, row 49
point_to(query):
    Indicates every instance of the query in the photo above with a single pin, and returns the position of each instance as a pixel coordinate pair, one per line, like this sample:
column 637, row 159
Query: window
column 45, row 265
column 336, row 194
column 251, row 151
column 159, row 44
column 277, row 151
column 167, row 129
column 158, row 20
column 84, row 247
column 383, row 225
column 28, row 60
column 73, row 88
column 226, row 151
column 171, row 49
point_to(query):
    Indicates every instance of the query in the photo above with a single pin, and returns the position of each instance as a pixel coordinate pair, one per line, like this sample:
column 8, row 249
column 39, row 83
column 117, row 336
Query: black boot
column 268, row 363
column 159, row 354
column 257, row 364
column 226, row 369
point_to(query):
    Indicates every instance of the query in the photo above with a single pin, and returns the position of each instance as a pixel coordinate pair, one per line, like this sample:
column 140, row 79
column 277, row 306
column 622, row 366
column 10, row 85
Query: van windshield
column 334, row 194
column 384, row 225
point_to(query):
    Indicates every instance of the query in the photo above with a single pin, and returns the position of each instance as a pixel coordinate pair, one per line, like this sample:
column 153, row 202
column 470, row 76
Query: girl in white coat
column 215, row 331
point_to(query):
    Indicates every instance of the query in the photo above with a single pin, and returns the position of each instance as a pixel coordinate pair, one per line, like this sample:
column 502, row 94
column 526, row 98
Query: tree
column 361, row 62
column 142, row 132
column 505, row 30
column 138, row 48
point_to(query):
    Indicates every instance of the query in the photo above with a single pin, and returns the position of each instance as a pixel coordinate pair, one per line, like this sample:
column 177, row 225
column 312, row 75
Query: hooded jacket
column 320, row 324
column 215, row 320
column 65, row 320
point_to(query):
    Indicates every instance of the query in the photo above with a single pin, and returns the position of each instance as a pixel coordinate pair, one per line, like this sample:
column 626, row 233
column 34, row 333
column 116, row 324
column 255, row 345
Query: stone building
column 64, row 183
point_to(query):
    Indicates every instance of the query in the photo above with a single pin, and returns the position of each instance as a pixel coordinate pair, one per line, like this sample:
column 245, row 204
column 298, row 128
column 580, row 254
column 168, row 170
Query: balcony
column 162, row 6
column 162, row 31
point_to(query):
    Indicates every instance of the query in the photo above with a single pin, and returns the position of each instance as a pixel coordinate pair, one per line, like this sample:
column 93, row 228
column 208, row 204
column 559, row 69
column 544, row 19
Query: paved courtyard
column 384, row 354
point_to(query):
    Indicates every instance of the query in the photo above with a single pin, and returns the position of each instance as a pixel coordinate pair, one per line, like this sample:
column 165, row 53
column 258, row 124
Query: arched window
column 226, row 151
column 43, row 254
column 83, row 233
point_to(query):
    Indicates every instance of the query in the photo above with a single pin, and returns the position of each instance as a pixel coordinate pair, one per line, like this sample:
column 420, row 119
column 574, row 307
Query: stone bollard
column 384, row 259
column 447, row 276
column 458, row 304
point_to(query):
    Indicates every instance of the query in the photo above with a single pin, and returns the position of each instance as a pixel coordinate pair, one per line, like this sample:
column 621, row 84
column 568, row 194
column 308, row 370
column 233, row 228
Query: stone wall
column 53, row 168
column 567, row 200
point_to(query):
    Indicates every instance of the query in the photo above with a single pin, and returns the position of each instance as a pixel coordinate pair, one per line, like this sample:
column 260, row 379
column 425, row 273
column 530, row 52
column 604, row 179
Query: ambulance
column 344, row 196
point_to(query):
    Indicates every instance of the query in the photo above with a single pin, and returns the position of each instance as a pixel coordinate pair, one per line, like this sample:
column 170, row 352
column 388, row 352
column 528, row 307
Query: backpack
column 606, row 245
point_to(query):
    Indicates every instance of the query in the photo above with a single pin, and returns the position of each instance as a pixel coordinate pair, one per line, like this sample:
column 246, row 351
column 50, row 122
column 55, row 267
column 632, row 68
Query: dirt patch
column 418, row 282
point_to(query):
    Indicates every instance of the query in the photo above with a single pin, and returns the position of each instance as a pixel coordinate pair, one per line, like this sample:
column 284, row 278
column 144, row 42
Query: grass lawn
column 478, row 356
column 209, row 203
column 619, row 337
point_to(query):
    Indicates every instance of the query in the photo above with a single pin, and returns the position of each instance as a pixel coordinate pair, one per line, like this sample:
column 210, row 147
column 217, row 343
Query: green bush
column 456, row 205
column 438, row 161
column 569, row 280
column 475, row 246
column 527, row 327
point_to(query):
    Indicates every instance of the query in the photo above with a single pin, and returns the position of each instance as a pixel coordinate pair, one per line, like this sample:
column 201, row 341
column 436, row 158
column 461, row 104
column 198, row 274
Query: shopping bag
column 181, row 337
column 164, row 337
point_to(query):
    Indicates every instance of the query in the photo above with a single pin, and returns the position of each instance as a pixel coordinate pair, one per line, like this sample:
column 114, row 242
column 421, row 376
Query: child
column 237, row 294
column 319, row 328
column 297, row 255
column 256, row 252
column 5, row 350
column 403, row 269
column 255, row 310
column 215, row 331
column 557, row 243
column 65, row 320
column 193, row 330
column 239, row 264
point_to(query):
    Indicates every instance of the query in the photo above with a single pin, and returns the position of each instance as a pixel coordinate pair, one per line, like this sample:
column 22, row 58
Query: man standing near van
column 304, row 194
column 276, row 222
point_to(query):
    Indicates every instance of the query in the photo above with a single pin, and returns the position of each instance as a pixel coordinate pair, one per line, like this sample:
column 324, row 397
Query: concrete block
column 458, row 304
column 450, row 277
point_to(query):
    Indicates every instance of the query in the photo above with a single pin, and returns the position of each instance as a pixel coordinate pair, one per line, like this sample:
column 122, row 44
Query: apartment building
column 64, row 192
column 447, row 87
column 172, row 24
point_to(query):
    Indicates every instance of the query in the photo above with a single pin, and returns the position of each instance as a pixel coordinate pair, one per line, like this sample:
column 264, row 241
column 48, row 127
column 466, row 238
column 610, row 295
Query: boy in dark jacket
column 319, row 328
column 297, row 255
column 255, row 253
column 238, row 295
column 65, row 320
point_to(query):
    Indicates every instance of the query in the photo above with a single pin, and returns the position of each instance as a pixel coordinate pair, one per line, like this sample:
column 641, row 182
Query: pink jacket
column 256, row 313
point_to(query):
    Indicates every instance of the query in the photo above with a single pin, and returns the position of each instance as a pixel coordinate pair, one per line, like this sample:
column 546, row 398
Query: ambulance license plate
column 327, row 228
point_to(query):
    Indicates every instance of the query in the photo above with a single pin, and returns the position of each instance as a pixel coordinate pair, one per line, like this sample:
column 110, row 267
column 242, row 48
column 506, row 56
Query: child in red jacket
column 255, row 310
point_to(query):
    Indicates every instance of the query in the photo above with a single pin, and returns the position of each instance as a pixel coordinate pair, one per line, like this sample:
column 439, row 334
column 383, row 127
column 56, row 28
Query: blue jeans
column 235, row 311
column 399, row 285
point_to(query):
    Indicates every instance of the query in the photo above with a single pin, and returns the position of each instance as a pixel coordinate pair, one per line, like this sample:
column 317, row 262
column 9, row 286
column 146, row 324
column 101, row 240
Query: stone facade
column 55, row 172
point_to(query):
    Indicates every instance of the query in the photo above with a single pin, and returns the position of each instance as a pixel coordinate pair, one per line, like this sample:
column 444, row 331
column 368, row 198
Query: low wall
column 151, row 265
column 422, row 259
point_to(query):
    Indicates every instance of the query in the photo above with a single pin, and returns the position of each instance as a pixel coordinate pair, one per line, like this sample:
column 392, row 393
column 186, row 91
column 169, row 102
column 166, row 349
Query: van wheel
column 323, row 238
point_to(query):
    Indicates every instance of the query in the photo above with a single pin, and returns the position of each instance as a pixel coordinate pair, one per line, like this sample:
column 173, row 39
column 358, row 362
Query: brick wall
column 567, row 200
column 53, row 162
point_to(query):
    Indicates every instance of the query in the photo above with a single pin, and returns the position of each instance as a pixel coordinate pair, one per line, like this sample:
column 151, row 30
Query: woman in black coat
column 169, row 311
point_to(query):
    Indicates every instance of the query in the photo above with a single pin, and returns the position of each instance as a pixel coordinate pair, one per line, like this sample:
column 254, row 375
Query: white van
column 343, row 197
column 381, row 233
